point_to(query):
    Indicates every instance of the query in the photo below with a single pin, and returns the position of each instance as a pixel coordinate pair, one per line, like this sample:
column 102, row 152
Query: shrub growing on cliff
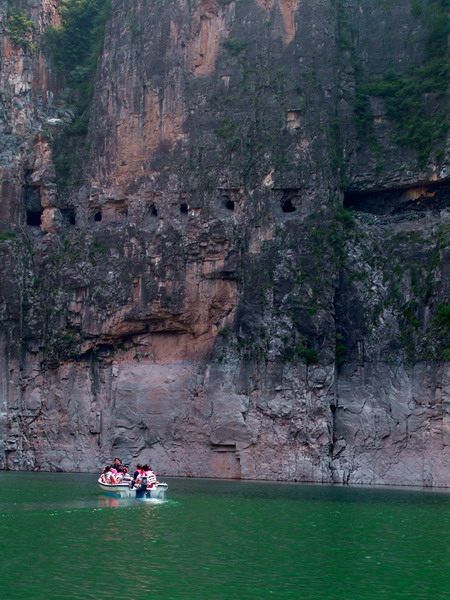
column 235, row 46
column 20, row 28
column 7, row 236
column 307, row 355
column 442, row 317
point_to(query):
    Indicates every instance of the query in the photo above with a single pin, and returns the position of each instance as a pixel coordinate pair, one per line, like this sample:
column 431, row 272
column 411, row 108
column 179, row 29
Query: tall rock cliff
column 228, row 253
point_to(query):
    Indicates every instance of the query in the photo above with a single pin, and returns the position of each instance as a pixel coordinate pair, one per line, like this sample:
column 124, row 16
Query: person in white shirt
column 108, row 476
column 150, row 475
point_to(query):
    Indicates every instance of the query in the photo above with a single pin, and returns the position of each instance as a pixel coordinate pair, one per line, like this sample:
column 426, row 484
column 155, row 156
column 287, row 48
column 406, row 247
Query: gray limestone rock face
column 240, row 269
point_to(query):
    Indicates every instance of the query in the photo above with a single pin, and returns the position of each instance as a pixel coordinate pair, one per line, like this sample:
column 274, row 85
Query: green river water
column 221, row 540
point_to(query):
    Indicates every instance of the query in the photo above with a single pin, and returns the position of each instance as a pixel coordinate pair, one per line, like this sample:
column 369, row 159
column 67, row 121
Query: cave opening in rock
column 229, row 204
column 153, row 210
column 418, row 197
column 184, row 209
column 32, row 200
column 287, row 206
column 223, row 447
column 288, row 198
column 34, row 217
column 98, row 216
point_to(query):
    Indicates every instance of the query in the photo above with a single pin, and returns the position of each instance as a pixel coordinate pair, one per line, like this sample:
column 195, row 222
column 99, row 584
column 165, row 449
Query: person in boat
column 150, row 475
column 116, row 464
column 108, row 476
column 136, row 474
column 122, row 475
column 126, row 477
column 119, row 475
column 144, row 473
column 103, row 476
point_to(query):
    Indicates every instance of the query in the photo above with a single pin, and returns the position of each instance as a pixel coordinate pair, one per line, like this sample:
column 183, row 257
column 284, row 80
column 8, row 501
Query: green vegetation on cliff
column 20, row 27
column 415, row 101
column 441, row 323
column 75, row 47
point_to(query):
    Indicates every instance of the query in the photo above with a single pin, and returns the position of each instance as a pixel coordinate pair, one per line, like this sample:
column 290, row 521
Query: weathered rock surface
column 199, row 295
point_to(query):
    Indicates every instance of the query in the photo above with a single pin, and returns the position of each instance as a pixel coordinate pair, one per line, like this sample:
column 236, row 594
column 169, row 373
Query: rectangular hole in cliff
column 289, row 199
column 34, row 217
column 229, row 197
column 152, row 210
column 184, row 209
column 223, row 447
column 287, row 206
column 420, row 197
column 32, row 200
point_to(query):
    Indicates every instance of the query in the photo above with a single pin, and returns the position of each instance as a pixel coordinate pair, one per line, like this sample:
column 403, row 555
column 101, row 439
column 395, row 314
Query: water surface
column 61, row 539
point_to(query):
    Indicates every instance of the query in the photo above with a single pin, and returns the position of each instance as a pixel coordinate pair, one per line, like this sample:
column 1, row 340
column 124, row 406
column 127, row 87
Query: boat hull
column 123, row 490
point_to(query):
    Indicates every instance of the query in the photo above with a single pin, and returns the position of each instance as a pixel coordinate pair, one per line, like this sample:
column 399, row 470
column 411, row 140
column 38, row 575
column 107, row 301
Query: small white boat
column 123, row 490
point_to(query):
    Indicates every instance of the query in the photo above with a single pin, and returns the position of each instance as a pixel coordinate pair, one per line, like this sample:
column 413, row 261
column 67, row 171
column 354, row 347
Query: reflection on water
column 109, row 502
column 221, row 540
